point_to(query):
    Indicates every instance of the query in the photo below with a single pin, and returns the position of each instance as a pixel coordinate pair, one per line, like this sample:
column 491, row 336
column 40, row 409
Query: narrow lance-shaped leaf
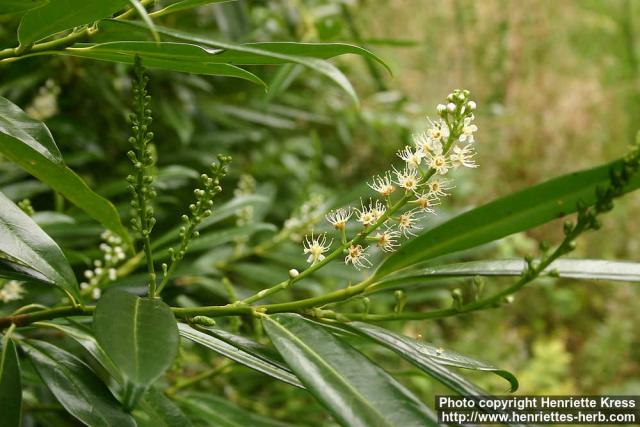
column 140, row 335
column 353, row 389
column 29, row 144
column 61, row 15
column 10, row 384
column 584, row 269
column 222, row 413
column 311, row 55
column 157, row 410
column 25, row 242
column 15, row 271
column 76, row 386
column 426, row 356
column 88, row 341
column 183, row 57
column 516, row 212
column 245, row 356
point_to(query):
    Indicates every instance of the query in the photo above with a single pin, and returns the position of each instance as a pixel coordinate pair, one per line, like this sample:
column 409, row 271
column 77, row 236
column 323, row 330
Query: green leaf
column 516, row 212
column 219, row 412
column 183, row 57
column 75, row 386
column 29, row 144
column 138, row 334
column 25, row 242
column 184, row 5
column 15, row 271
column 88, row 341
column 61, row 15
column 10, row 385
column 252, row 360
column 10, row 7
column 584, row 269
column 311, row 55
column 355, row 391
column 161, row 411
column 429, row 358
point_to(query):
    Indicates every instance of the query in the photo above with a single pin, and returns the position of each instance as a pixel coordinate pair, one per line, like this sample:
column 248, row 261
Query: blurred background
column 557, row 87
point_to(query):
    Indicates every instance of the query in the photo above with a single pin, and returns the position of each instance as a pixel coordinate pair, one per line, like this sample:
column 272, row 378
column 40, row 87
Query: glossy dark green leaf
column 86, row 340
column 160, row 411
column 311, row 55
column 185, row 5
column 9, row 7
column 426, row 356
column 584, row 269
column 61, row 15
column 138, row 334
column 353, row 389
column 245, row 357
column 10, row 385
column 218, row 412
column 184, row 57
column 15, row 271
column 29, row 144
column 516, row 212
column 76, row 386
column 25, row 242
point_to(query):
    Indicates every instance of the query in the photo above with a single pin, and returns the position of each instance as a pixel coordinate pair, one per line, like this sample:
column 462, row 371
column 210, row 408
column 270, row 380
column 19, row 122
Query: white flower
column 357, row 257
column 463, row 157
column 410, row 157
column 112, row 274
column 11, row 291
column 370, row 214
column 471, row 105
column 451, row 107
column 407, row 178
column 468, row 129
column 439, row 131
column 439, row 187
column 427, row 145
column 426, row 201
column 339, row 218
column 439, row 163
column 382, row 184
column 387, row 240
column 408, row 222
column 96, row 293
column 441, row 108
column 316, row 247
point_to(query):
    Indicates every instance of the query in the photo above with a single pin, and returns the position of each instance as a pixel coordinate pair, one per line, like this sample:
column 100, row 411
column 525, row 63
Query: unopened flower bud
column 293, row 273
column 451, row 107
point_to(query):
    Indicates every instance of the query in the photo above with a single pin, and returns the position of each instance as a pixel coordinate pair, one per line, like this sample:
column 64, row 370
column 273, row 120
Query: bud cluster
column 201, row 208
column 140, row 182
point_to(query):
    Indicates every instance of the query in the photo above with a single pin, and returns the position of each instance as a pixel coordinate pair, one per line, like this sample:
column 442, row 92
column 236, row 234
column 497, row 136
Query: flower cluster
column 104, row 270
column 11, row 291
column 418, row 186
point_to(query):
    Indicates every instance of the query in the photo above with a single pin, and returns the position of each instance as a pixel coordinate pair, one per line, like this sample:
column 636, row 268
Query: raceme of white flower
column 11, row 291
column 422, row 181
